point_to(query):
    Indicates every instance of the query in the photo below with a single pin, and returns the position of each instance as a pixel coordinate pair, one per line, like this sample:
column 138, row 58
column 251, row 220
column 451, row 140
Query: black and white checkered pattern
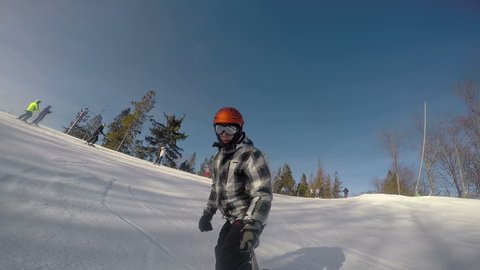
column 242, row 187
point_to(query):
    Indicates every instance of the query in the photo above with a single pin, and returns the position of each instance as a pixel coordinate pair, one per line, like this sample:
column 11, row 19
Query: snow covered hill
column 66, row 205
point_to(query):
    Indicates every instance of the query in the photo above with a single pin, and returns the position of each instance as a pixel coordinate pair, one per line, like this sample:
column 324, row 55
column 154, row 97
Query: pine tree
column 277, row 181
column 167, row 135
column 390, row 183
column 116, row 130
column 142, row 152
column 289, row 182
column 80, row 129
column 192, row 161
column 327, row 188
column 126, row 137
column 188, row 165
column 92, row 125
column 318, row 182
column 134, row 122
column 302, row 189
column 283, row 182
column 337, row 186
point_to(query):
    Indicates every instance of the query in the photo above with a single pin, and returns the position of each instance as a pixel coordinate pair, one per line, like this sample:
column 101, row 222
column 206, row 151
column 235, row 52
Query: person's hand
column 204, row 224
column 251, row 235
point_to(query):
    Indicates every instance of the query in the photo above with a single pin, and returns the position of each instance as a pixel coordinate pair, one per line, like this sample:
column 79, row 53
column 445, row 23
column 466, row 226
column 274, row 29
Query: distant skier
column 161, row 154
column 241, row 190
column 345, row 192
column 207, row 172
column 94, row 137
column 32, row 107
column 42, row 115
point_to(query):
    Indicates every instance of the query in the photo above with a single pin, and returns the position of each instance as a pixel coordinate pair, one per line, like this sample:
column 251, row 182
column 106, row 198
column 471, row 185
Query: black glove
column 204, row 224
column 251, row 235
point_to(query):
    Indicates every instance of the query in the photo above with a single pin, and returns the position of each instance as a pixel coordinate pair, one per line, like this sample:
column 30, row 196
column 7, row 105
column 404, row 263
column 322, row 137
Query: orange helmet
column 228, row 115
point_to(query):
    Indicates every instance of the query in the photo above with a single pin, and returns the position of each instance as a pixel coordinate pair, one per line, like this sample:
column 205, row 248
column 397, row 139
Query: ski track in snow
column 154, row 210
column 159, row 213
column 375, row 262
column 142, row 231
column 146, row 206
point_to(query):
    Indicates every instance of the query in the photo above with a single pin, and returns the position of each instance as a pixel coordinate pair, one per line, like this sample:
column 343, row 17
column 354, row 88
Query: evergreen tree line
column 451, row 160
column 123, row 133
column 319, row 186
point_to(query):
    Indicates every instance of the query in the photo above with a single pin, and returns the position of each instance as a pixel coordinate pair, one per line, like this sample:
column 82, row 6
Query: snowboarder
column 32, row 107
column 94, row 137
column 161, row 154
column 42, row 115
column 241, row 190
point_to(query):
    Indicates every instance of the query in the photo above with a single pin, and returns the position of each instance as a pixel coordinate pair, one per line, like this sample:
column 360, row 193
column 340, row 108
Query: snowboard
column 91, row 144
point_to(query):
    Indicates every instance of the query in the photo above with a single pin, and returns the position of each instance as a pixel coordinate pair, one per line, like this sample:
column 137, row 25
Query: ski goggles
column 228, row 129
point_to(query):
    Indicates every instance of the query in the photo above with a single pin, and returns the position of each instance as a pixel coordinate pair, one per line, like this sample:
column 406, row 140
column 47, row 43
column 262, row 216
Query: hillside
column 66, row 205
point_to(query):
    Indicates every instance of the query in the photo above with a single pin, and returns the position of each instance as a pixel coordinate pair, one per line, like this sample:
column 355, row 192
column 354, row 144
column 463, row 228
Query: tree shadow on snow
column 312, row 258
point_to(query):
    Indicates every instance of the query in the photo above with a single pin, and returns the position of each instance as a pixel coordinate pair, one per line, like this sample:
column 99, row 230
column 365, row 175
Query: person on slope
column 42, row 115
column 241, row 190
column 161, row 154
column 31, row 108
column 94, row 137
column 206, row 173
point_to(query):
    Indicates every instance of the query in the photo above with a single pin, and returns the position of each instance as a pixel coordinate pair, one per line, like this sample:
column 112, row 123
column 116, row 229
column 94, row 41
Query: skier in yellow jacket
column 32, row 107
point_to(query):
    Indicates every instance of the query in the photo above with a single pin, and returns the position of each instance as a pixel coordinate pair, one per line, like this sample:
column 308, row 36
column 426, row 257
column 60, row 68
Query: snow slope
column 67, row 205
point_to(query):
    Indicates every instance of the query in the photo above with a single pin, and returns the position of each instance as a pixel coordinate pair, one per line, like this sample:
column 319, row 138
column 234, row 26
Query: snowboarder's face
column 226, row 138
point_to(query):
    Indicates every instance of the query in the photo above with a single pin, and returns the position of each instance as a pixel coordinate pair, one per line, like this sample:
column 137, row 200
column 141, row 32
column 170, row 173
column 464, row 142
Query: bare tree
column 469, row 93
column 449, row 157
column 472, row 171
column 391, row 143
column 431, row 159
column 407, row 185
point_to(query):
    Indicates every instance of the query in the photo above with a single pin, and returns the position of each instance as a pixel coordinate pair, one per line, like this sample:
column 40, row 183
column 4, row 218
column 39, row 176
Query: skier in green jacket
column 32, row 107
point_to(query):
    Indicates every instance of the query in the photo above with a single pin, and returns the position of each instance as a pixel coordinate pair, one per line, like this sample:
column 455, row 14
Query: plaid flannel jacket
column 242, row 187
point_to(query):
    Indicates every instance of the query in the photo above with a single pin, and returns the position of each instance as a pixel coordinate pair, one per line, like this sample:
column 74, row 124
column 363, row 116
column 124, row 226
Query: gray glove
column 251, row 235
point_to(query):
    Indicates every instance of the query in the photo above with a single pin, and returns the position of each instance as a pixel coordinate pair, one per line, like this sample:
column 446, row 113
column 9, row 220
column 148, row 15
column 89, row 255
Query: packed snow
column 67, row 205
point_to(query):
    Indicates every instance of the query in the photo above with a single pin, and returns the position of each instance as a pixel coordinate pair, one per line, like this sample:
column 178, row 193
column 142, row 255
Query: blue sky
column 313, row 79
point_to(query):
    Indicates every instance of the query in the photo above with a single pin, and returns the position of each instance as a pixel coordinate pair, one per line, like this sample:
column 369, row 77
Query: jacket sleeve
column 260, row 187
column 212, row 198
column 212, row 202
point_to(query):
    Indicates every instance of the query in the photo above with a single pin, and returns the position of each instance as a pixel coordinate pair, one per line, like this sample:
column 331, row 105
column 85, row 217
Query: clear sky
column 313, row 79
